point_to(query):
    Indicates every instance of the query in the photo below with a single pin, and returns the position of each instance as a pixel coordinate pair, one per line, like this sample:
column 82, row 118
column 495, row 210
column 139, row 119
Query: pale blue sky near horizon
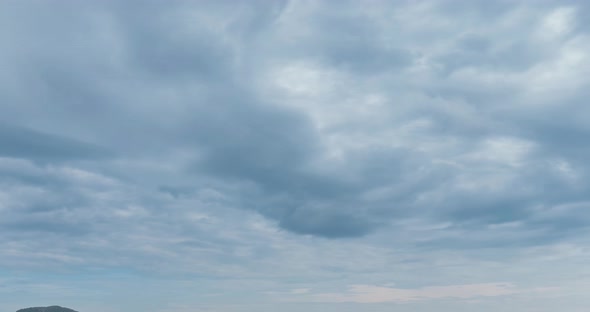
column 304, row 155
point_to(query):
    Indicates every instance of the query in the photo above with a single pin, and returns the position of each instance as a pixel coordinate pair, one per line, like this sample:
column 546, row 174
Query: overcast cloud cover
column 239, row 156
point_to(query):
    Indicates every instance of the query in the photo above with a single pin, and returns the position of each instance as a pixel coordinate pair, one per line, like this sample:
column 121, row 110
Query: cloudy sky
column 305, row 155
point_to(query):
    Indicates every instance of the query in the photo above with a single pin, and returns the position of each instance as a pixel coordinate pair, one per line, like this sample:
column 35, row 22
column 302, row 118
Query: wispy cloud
column 377, row 294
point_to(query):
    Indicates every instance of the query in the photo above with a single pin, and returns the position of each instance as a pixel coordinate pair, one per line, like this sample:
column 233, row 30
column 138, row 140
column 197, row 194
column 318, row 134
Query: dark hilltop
column 47, row 309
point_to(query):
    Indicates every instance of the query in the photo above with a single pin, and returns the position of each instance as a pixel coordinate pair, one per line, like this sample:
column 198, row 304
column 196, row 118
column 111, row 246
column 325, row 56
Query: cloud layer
column 297, row 142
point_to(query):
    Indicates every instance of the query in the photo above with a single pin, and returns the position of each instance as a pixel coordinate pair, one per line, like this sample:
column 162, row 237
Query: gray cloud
column 24, row 143
column 150, row 131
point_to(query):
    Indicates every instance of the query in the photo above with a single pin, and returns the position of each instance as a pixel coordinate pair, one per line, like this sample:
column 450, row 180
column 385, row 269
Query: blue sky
column 237, row 156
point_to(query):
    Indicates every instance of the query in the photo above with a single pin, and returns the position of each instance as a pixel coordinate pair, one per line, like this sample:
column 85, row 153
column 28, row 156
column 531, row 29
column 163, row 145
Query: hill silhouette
column 47, row 309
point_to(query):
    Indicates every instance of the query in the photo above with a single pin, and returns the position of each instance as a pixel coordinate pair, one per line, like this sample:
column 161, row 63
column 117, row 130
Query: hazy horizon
column 305, row 155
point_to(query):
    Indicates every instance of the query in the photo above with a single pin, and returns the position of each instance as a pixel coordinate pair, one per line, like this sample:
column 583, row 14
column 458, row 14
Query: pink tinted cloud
column 378, row 294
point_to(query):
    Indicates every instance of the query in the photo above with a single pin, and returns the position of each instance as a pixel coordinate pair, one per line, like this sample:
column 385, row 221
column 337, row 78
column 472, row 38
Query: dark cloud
column 20, row 142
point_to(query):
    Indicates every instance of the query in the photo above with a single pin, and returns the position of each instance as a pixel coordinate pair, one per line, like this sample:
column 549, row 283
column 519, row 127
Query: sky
column 305, row 155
